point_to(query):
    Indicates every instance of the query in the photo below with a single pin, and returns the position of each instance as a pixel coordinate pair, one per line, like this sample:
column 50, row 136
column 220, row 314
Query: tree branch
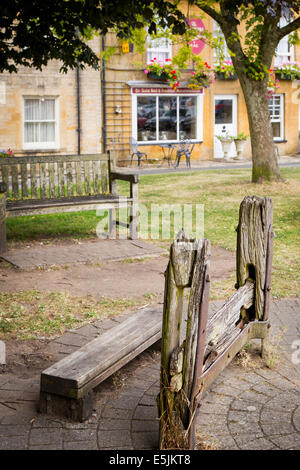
column 210, row 11
column 268, row 40
column 289, row 28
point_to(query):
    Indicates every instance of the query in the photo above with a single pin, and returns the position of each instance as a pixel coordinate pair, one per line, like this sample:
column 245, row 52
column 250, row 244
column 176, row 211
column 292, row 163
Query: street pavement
column 249, row 406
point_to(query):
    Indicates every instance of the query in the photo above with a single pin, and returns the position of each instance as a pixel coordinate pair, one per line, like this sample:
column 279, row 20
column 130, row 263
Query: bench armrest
column 128, row 176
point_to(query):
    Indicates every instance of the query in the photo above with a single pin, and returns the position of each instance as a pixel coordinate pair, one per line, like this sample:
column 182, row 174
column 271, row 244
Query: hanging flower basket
column 272, row 85
column 202, row 77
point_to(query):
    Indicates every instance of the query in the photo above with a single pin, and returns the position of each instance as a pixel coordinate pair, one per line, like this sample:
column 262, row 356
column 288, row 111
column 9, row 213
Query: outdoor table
column 168, row 150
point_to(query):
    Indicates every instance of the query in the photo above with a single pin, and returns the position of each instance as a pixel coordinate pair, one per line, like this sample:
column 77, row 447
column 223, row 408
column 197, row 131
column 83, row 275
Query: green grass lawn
column 221, row 192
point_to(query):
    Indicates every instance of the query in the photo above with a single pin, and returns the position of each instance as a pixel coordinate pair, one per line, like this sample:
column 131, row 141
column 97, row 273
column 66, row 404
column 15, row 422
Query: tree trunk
column 265, row 166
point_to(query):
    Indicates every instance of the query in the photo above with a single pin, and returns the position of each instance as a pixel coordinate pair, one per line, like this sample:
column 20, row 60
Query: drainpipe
column 78, row 110
column 78, row 104
column 103, row 82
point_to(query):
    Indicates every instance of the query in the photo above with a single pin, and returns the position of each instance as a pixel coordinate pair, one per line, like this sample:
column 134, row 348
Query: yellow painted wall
column 122, row 68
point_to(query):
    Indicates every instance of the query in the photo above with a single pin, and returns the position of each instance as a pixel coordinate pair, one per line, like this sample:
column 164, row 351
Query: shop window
column 168, row 118
column 284, row 51
column 276, row 115
column 40, row 123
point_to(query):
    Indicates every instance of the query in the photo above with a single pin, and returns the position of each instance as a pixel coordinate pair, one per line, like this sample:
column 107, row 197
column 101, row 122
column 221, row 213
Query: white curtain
column 39, row 122
column 284, row 51
column 161, row 49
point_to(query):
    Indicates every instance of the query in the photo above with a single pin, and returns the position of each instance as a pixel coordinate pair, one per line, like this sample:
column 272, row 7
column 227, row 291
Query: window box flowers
column 201, row 77
column 288, row 71
column 225, row 70
column 157, row 70
column 6, row 153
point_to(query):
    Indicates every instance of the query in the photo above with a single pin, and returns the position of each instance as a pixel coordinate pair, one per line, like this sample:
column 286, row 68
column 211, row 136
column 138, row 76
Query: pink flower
column 146, row 71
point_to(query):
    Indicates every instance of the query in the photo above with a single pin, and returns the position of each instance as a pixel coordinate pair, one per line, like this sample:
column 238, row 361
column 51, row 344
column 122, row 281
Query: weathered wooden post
column 3, row 244
column 254, row 253
column 187, row 267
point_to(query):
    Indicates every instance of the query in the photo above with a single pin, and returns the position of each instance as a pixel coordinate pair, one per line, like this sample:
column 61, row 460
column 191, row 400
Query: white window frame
column 199, row 117
column 217, row 31
column 42, row 145
column 281, row 57
column 279, row 118
column 157, row 46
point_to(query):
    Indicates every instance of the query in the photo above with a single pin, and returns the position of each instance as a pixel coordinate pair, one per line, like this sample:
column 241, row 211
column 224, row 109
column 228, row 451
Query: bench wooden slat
column 5, row 174
column 78, row 171
column 15, row 181
column 87, row 177
column 78, row 373
column 43, row 181
column 24, row 177
column 104, row 178
column 52, row 187
column 51, row 206
column 69, row 174
column 61, row 179
column 96, row 174
column 33, row 182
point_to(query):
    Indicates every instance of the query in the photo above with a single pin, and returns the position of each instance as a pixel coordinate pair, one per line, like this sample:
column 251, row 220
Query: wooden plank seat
column 66, row 387
column 16, row 208
column 64, row 183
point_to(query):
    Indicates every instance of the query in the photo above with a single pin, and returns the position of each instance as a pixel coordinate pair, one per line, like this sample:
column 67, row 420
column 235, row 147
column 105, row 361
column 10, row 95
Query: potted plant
column 157, row 70
column 226, row 141
column 288, row 71
column 225, row 70
column 240, row 141
column 201, row 77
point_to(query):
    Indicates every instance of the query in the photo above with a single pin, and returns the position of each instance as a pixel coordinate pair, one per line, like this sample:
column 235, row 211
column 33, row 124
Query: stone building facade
column 51, row 112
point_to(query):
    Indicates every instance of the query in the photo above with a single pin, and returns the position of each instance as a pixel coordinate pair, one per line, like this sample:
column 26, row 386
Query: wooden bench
column 64, row 183
column 67, row 386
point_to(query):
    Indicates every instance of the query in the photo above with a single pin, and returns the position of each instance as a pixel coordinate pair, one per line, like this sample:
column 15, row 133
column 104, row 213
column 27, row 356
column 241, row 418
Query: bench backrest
column 55, row 176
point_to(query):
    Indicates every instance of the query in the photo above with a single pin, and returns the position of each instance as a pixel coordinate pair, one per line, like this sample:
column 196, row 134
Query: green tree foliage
column 36, row 31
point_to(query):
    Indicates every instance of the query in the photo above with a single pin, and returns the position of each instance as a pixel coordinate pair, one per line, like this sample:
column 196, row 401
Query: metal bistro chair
column 185, row 148
column 135, row 152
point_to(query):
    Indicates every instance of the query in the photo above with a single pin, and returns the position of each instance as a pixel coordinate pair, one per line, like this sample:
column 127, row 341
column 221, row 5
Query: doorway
column 225, row 122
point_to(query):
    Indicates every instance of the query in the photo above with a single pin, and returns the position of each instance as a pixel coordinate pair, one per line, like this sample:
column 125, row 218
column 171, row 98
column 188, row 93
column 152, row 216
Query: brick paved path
column 246, row 408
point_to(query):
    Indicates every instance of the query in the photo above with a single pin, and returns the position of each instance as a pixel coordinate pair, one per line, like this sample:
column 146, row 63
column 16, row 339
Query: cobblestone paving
column 246, row 407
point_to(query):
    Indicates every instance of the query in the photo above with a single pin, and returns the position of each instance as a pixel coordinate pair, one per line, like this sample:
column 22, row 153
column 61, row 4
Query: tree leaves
column 32, row 33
